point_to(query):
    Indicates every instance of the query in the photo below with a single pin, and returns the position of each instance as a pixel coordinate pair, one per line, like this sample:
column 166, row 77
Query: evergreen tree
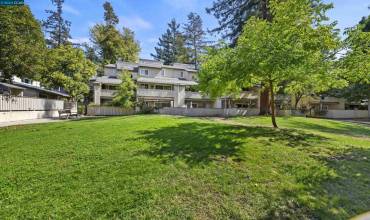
column 110, row 17
column 194, row 37
column 111, row 44
column 171, row 46
column 56, row 27
column 233, row 14
column 125, row 96
column 22, row 43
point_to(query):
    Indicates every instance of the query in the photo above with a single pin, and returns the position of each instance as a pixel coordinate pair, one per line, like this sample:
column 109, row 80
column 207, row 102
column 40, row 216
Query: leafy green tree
column 67, row 67
column 233, row 14
column 57, row 28
column 22, row 43
column 356, row 62
column 110, row 43
column 276, row 52
column 125, row 96
column 194, row 37
column 171, row 46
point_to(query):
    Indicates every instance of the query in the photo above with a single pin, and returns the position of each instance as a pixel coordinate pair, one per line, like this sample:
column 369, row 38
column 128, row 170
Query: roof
column 28, row 86
column 165, row 80
column 151, row 64
column 11, row 86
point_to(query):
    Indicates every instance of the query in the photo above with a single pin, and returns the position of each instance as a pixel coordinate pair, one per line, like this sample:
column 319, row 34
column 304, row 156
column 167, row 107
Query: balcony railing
column 156, row 93
column 108, row 93
column 195, row 95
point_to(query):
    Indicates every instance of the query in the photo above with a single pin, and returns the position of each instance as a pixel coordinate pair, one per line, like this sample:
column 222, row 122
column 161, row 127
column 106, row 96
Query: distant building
column 29, row 88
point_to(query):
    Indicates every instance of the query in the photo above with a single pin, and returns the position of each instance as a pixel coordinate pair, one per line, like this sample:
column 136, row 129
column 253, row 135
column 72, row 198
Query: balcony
column 155, row 93
column 107, row 93
column 195, row 95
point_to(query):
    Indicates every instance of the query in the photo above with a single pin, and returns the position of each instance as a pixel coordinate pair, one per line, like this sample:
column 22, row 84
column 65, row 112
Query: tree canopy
column 67, row 67
column 125, row 96
column 22, row 44
column 277, row 52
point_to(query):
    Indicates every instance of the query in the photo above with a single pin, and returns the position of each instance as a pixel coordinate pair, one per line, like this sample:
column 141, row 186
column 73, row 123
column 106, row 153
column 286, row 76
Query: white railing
column 195, row 95
column 9, row 103
column 108, row 93
column 156, row 93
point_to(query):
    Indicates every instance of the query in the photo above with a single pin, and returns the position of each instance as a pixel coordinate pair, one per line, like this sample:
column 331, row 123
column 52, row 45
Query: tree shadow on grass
column 333, row 127
column 337, row 187
column 201, row 143
column 340, row 191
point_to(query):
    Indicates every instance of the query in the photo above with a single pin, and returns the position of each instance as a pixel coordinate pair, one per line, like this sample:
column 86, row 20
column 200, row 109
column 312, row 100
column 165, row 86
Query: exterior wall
column 97, row 94
column 208, row 112
column 27, row 115
column 179, row 100
column 111, row 72
column 331, row 102
column 30, row 93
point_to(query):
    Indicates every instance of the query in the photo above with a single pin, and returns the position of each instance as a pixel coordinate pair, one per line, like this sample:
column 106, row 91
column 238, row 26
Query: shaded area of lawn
column 156, row 167
column 335, row 185
column 311, row 124
column 200, row 143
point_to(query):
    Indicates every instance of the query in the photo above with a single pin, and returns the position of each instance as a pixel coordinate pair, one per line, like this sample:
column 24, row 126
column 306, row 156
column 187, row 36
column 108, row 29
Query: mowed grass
column 161, row 167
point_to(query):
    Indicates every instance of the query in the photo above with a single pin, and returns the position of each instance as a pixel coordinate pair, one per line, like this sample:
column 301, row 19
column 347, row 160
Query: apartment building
column 160, row 85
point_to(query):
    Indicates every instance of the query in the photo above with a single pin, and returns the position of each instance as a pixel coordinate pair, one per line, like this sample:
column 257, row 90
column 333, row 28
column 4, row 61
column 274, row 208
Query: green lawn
column 161, row 167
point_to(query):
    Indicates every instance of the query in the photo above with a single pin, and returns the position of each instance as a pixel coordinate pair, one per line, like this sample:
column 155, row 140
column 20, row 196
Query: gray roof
column 11, row 86
column 165, row 80
column 28, row 86
column 151, row 64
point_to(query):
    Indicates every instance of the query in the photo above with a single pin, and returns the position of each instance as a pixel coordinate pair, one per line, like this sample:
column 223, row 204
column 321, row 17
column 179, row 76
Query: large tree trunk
column 272, row 105
column 264, row 102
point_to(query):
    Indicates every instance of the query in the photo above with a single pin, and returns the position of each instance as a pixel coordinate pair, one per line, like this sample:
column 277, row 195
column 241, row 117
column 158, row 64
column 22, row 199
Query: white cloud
column 80, row 40
column 182, row 4
column 70, row 9
column 135, row 23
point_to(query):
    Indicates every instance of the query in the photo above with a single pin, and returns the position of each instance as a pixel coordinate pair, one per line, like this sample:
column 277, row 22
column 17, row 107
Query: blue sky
column 149, row 18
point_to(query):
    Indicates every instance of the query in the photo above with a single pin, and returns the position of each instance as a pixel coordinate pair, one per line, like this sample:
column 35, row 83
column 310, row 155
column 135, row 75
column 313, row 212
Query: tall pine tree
column 56, row 27
column 171, row 45
column 194, row 37
column 110, row 17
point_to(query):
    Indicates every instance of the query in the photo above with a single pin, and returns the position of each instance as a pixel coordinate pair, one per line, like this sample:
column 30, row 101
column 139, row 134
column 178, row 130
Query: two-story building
column 160, row 85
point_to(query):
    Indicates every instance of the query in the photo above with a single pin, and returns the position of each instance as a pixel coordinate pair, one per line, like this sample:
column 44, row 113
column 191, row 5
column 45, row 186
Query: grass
column 159, row 167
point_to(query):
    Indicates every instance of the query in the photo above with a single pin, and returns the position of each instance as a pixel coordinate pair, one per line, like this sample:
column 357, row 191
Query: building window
column 182, row 74
column 144, row 72
column 162, row 72
column 144, row 86
column 28, row 81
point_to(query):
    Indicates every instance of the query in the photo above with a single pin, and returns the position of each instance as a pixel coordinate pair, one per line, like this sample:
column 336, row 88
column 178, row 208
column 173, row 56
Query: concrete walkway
column 32, row 121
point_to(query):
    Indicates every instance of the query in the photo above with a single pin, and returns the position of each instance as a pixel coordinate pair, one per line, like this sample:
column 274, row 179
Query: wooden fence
column 9, row 103
column 108, row 111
